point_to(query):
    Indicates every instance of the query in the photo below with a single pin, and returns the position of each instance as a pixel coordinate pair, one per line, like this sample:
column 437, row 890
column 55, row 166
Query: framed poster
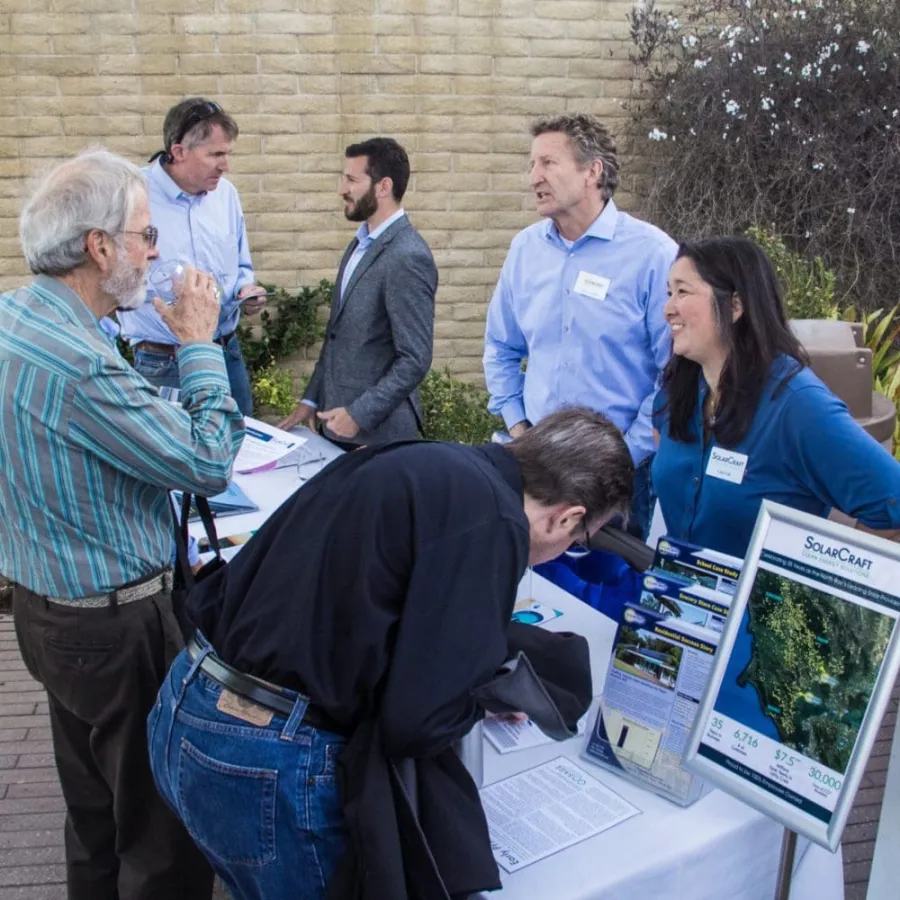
column 804, row 671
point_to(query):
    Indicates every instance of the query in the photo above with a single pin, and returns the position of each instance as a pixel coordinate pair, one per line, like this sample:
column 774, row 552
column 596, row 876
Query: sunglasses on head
column 199, row 113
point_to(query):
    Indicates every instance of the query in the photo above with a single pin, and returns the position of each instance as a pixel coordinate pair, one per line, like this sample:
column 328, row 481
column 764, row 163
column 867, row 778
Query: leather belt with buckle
column 171, row 349
column 161, row 581
column 154, row 347
column 261, row 692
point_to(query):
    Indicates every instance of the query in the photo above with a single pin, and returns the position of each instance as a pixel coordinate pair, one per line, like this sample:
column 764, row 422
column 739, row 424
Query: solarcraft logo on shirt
column 836, row 556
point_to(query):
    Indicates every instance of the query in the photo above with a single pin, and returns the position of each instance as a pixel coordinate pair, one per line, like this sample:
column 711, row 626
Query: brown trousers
column 102, row 669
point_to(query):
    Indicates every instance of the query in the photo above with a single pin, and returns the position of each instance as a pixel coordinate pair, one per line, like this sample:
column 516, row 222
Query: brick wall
column 456, row 81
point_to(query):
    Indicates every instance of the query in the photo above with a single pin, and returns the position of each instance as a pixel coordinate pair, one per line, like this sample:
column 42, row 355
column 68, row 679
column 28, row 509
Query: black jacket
column 383, row 590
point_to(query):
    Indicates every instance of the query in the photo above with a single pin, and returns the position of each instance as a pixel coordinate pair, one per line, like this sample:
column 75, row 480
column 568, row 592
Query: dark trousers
column 102, row 669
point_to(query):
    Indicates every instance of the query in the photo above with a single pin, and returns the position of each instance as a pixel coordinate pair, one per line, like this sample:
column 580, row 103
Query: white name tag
column 594, row 286
column 728, row 465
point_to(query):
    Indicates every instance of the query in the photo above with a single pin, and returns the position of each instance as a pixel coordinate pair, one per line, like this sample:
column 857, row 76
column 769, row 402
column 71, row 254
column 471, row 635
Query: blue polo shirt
column 803, row 449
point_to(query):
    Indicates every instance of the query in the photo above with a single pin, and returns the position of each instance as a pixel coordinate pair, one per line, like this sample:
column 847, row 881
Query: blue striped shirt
column 89, row 450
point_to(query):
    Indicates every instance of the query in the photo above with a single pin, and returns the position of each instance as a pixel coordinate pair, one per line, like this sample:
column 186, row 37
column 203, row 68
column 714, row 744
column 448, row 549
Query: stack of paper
column 263, row 446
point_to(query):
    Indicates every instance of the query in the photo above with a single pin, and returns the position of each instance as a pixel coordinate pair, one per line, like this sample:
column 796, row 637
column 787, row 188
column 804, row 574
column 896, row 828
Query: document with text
column 543, row 810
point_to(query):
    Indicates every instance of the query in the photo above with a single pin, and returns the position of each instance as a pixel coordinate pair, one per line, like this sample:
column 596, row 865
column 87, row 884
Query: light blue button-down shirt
column 589, row 319
column 364, row 240
column 206, row 230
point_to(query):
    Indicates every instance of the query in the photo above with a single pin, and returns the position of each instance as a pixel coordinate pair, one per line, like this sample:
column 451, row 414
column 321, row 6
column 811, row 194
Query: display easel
column 786, row 865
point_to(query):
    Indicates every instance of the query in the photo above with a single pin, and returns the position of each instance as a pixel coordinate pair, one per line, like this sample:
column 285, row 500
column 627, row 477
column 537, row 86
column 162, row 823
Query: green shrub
column 880, row 331
column 273, row 388
column 808, row 284
column 288, row 323
column 456, row 411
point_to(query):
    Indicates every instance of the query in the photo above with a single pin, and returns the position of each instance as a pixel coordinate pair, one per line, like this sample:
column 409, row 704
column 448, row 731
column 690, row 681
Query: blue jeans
column 161, row 369
column 260, row 801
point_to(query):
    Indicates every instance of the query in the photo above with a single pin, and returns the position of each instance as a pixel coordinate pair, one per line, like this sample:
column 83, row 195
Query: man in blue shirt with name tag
column 198, row 213
column 581, row 297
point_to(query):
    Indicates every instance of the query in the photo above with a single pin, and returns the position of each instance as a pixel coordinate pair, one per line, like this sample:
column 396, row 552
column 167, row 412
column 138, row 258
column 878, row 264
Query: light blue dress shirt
column 205, row 229
column 589, row 319
column 364, row 240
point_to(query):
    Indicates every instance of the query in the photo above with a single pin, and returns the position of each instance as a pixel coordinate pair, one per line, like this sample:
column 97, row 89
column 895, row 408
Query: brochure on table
column 263, row 446
column 231, row 502
column 707, row 568
column 803, row 673
column 659, row 669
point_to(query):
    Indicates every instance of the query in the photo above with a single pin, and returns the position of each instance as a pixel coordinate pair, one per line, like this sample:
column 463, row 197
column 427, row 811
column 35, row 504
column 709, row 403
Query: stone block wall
column 456, row 81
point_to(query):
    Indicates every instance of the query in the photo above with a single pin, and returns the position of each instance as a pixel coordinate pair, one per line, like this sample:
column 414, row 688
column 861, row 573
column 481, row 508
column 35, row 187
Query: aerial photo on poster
column 803, row 667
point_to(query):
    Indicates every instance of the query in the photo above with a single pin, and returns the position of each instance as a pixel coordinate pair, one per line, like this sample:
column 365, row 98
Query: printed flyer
column 708, row 568
column 804, row 671
column 658, row 672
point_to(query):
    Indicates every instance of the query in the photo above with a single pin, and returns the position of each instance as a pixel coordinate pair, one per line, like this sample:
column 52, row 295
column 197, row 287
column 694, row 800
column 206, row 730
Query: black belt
column 261, row 692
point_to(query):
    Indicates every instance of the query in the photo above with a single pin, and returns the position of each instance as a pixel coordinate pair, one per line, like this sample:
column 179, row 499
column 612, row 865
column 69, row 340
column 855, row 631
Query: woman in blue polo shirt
column 740, row 416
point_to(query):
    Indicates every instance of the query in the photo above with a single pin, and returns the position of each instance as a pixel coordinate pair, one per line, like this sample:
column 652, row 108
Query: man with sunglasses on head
column 88, row 453
column 200, row 220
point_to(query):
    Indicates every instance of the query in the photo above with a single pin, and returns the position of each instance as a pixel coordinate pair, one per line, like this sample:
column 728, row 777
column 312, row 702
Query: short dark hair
column 590, row 139
column 576, row 456
column 733, row 266
column 385, row 158
column 191, row 122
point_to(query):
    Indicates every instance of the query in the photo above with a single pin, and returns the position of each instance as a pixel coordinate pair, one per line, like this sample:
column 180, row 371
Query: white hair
column 96, row 189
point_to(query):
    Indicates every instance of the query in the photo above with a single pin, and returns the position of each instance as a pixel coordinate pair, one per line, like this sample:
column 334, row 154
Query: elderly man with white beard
column 88, row 453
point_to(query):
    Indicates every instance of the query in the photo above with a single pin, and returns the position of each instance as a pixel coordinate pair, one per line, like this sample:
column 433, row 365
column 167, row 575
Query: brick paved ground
column 31, row 808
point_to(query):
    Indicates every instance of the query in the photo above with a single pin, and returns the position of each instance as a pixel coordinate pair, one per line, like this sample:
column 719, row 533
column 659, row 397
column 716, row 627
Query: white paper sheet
column 263, row 446
column 506, row 735
column 543, row 810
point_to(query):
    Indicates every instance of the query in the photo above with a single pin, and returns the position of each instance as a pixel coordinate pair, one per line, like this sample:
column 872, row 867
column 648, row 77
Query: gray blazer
column 380, row 337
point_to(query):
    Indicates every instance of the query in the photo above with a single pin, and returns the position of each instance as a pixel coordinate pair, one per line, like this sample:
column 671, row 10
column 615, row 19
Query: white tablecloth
column 717, row 849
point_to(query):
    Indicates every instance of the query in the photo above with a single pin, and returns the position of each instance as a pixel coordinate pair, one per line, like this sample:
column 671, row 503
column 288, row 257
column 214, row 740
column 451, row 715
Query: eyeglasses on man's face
column 150, row 235
column 582, row 544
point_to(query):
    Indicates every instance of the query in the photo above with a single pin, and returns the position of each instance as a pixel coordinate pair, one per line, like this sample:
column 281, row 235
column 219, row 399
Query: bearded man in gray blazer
column 379, row 339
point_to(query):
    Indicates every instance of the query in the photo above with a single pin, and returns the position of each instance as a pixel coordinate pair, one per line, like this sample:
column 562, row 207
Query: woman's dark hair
column 733, row 266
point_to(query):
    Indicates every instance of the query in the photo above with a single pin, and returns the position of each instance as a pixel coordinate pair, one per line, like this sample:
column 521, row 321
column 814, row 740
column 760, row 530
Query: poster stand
column 786, row 865
column 803, row 674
